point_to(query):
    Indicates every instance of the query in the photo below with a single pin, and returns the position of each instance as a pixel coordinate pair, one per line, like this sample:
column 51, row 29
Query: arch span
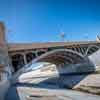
column 91, row 49
column 59, row 56
column 70, row 60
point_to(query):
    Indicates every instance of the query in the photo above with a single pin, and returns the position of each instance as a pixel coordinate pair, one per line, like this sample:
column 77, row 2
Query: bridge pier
column 5, row 69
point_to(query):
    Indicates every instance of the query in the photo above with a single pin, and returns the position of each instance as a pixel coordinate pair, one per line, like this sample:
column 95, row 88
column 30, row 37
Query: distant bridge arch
column 91, row 49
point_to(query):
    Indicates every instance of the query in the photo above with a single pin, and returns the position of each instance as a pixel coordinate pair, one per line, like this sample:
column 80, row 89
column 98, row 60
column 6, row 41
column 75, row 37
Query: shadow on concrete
column 12, row 94
column 64, row 81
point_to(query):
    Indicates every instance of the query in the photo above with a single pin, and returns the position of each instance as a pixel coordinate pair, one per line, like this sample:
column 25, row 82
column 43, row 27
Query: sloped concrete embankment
column 78, row 77
column 91, row 83
column 95, row 59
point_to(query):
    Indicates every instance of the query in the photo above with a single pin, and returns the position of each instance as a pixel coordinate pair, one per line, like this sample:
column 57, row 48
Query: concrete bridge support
column 4, row 63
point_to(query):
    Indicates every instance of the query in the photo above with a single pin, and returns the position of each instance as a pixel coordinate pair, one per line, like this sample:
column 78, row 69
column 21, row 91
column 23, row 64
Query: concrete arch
column 39, row 53
column 30, row 56
column 61, row 56
column 17, row 61
column 89, row 49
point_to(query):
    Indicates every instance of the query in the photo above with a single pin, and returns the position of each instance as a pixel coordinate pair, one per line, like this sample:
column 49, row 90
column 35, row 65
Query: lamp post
column 98, row 38
column 62, row 35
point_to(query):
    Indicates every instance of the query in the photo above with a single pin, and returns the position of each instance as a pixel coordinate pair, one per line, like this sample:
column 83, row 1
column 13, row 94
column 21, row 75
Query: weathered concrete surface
column 90, row 84
column 30, row 92
column 4, row 62
column 90, row 80
column 58, row 94
column 75, row 81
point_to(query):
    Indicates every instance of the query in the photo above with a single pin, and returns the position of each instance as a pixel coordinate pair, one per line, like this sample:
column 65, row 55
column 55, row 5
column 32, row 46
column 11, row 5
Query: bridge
column 55, row 52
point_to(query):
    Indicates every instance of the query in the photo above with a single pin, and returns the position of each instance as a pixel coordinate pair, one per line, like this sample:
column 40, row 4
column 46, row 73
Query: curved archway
column 39, row 53
column 17, row 61
column 91, row 49
column 61, row 56
column 30, row 56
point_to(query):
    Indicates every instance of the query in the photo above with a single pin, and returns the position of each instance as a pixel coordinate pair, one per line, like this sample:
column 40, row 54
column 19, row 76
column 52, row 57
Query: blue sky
column 44, row 20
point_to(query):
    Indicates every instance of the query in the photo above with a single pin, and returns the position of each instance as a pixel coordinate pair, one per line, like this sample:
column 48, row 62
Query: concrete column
column 4, row 63
column 24, row 57
column 82, row 50
column 4, row 50
column 36, row 53
column 2, row 35
column 75, row 49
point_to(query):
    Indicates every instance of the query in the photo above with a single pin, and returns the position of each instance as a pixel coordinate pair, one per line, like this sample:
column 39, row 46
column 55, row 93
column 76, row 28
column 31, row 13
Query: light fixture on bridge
column 62, row 35
column 98, row 38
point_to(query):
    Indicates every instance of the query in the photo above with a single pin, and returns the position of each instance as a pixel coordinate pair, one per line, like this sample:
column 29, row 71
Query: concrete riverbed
column 52, row 86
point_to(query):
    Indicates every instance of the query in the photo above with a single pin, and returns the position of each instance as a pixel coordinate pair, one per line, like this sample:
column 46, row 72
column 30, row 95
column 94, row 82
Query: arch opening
column 61, row 56
column 30, row 56
column 91, row 49
column 39, row 53
column 17, row 61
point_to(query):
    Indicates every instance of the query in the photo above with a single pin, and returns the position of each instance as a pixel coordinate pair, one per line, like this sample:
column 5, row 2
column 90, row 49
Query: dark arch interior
column 17, row 61
column 62, row 57
column 92, row 50
column 30, row 56
column 40, row 52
